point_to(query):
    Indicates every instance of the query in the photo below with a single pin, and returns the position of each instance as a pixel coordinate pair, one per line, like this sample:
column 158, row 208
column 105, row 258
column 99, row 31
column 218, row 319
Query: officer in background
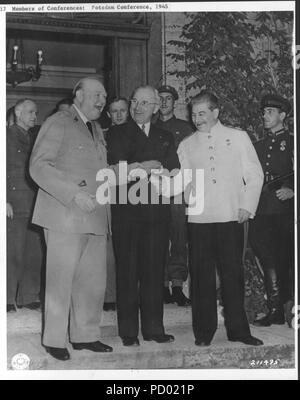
column 118, row 110
column 176, row 269
column 24, row 248
column 271, row 233
column 118, row 113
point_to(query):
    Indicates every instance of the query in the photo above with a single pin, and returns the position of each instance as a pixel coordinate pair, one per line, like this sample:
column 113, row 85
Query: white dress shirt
column 146, row 128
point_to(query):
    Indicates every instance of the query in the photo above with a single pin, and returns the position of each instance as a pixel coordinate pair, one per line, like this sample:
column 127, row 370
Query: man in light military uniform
column 271, row 233
column 176, row 270
column 24, row 249
column 68, row 153
column 232, row 184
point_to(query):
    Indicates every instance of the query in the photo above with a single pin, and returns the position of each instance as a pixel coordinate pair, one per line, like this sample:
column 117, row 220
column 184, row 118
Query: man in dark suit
column 68, row 153
column 271, row 233
column 140, row 231
column 24, row 251
column 176, row 269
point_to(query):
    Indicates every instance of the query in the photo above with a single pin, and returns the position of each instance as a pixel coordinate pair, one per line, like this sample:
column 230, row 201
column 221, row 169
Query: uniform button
column 273, row 140
column 13, row 188
column 270, row 147
column 267, row 163
column 214, row 181
column 269, row 155
column 212, row 169
column 212, row 158
column 211, row 148
column 19, row 151
column 267, row 172
column 209, row 136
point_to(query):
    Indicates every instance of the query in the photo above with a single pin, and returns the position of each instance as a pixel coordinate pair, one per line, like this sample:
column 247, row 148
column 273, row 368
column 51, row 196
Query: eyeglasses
column 143, row 103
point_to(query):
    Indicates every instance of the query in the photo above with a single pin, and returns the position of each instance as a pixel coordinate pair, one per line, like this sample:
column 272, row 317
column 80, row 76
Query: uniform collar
column 276, row 133
column 22, row 130
column 81, row 115
column 173, row 118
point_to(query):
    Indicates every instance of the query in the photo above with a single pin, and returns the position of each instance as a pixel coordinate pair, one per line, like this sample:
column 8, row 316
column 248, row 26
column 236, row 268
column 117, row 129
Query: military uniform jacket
column 275, row 153
column 66, row 159
column 233, row 175
column 179, row 128
column 20, row 189
column 129, row 143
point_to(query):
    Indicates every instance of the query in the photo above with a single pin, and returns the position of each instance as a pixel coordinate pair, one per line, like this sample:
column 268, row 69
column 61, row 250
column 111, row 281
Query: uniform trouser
column 75, row 287
column 110, row 292
column 272, row 240
column 208, row 242
column 176, row 269
column 24, row 260
column 140, row 253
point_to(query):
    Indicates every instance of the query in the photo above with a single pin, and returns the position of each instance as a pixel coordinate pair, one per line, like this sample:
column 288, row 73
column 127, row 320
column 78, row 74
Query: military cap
column 274, row 100
column 168, row 89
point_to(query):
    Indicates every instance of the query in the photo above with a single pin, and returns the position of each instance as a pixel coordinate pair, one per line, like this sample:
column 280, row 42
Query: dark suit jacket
column 276, row 157
column 129, row 143
column 21, row 189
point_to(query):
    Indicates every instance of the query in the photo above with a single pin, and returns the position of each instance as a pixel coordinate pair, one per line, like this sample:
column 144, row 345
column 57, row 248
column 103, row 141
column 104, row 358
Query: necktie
column 144, row 128
column 89, row 125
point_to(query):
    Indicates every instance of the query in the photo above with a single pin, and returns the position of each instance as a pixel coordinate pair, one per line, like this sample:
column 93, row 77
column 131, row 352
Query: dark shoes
column 179, row 298
column 273, row 317
column 160, row 338
column 167, row 296
column 11, row 308
column 130, row 341
column 202, row 343
column 109, row 306
column 98, row 347
column 58, row 353
column 250, row 340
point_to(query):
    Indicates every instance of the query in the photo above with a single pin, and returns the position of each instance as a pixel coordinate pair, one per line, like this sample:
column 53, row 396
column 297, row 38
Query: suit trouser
column 208, row 242
column 140, row 250
column 272, row 240
column 24, row 260
column 110, row 292
column 75, row 287
column 176, row 269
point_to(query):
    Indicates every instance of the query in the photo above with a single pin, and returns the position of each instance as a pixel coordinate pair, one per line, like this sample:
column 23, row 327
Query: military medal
column 283, row 145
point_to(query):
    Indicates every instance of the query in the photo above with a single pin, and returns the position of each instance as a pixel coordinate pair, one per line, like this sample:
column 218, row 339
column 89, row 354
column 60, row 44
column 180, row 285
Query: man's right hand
column 85, row 201
column 9, row 211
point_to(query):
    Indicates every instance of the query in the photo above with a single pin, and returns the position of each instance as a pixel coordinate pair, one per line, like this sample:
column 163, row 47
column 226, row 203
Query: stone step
column 278, row 349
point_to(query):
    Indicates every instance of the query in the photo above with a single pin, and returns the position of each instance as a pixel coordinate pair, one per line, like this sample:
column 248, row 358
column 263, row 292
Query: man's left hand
column 243, row 215
column 284, row 193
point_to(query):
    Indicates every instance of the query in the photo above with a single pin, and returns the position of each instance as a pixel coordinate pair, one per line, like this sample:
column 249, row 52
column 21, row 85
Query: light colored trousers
column 75, row 287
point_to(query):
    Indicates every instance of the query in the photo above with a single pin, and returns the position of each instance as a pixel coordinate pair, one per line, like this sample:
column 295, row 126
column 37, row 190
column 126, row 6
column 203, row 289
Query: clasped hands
column 284, row 193
column 85, row 201
column 147, row 166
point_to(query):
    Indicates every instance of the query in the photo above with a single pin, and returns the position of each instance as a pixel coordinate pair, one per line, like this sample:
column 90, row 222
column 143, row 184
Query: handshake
column 138, row 169
column 160, row 182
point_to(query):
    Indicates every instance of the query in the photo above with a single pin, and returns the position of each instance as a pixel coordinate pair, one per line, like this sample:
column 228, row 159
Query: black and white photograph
column 150, row 191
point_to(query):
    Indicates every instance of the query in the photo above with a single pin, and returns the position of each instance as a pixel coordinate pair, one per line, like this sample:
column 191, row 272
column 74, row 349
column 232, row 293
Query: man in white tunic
column 233, row 180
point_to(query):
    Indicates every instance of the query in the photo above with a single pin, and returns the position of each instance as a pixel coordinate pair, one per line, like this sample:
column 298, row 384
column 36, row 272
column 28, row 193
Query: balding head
column 26, row 113
column 144, row 103
column 90, row 97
